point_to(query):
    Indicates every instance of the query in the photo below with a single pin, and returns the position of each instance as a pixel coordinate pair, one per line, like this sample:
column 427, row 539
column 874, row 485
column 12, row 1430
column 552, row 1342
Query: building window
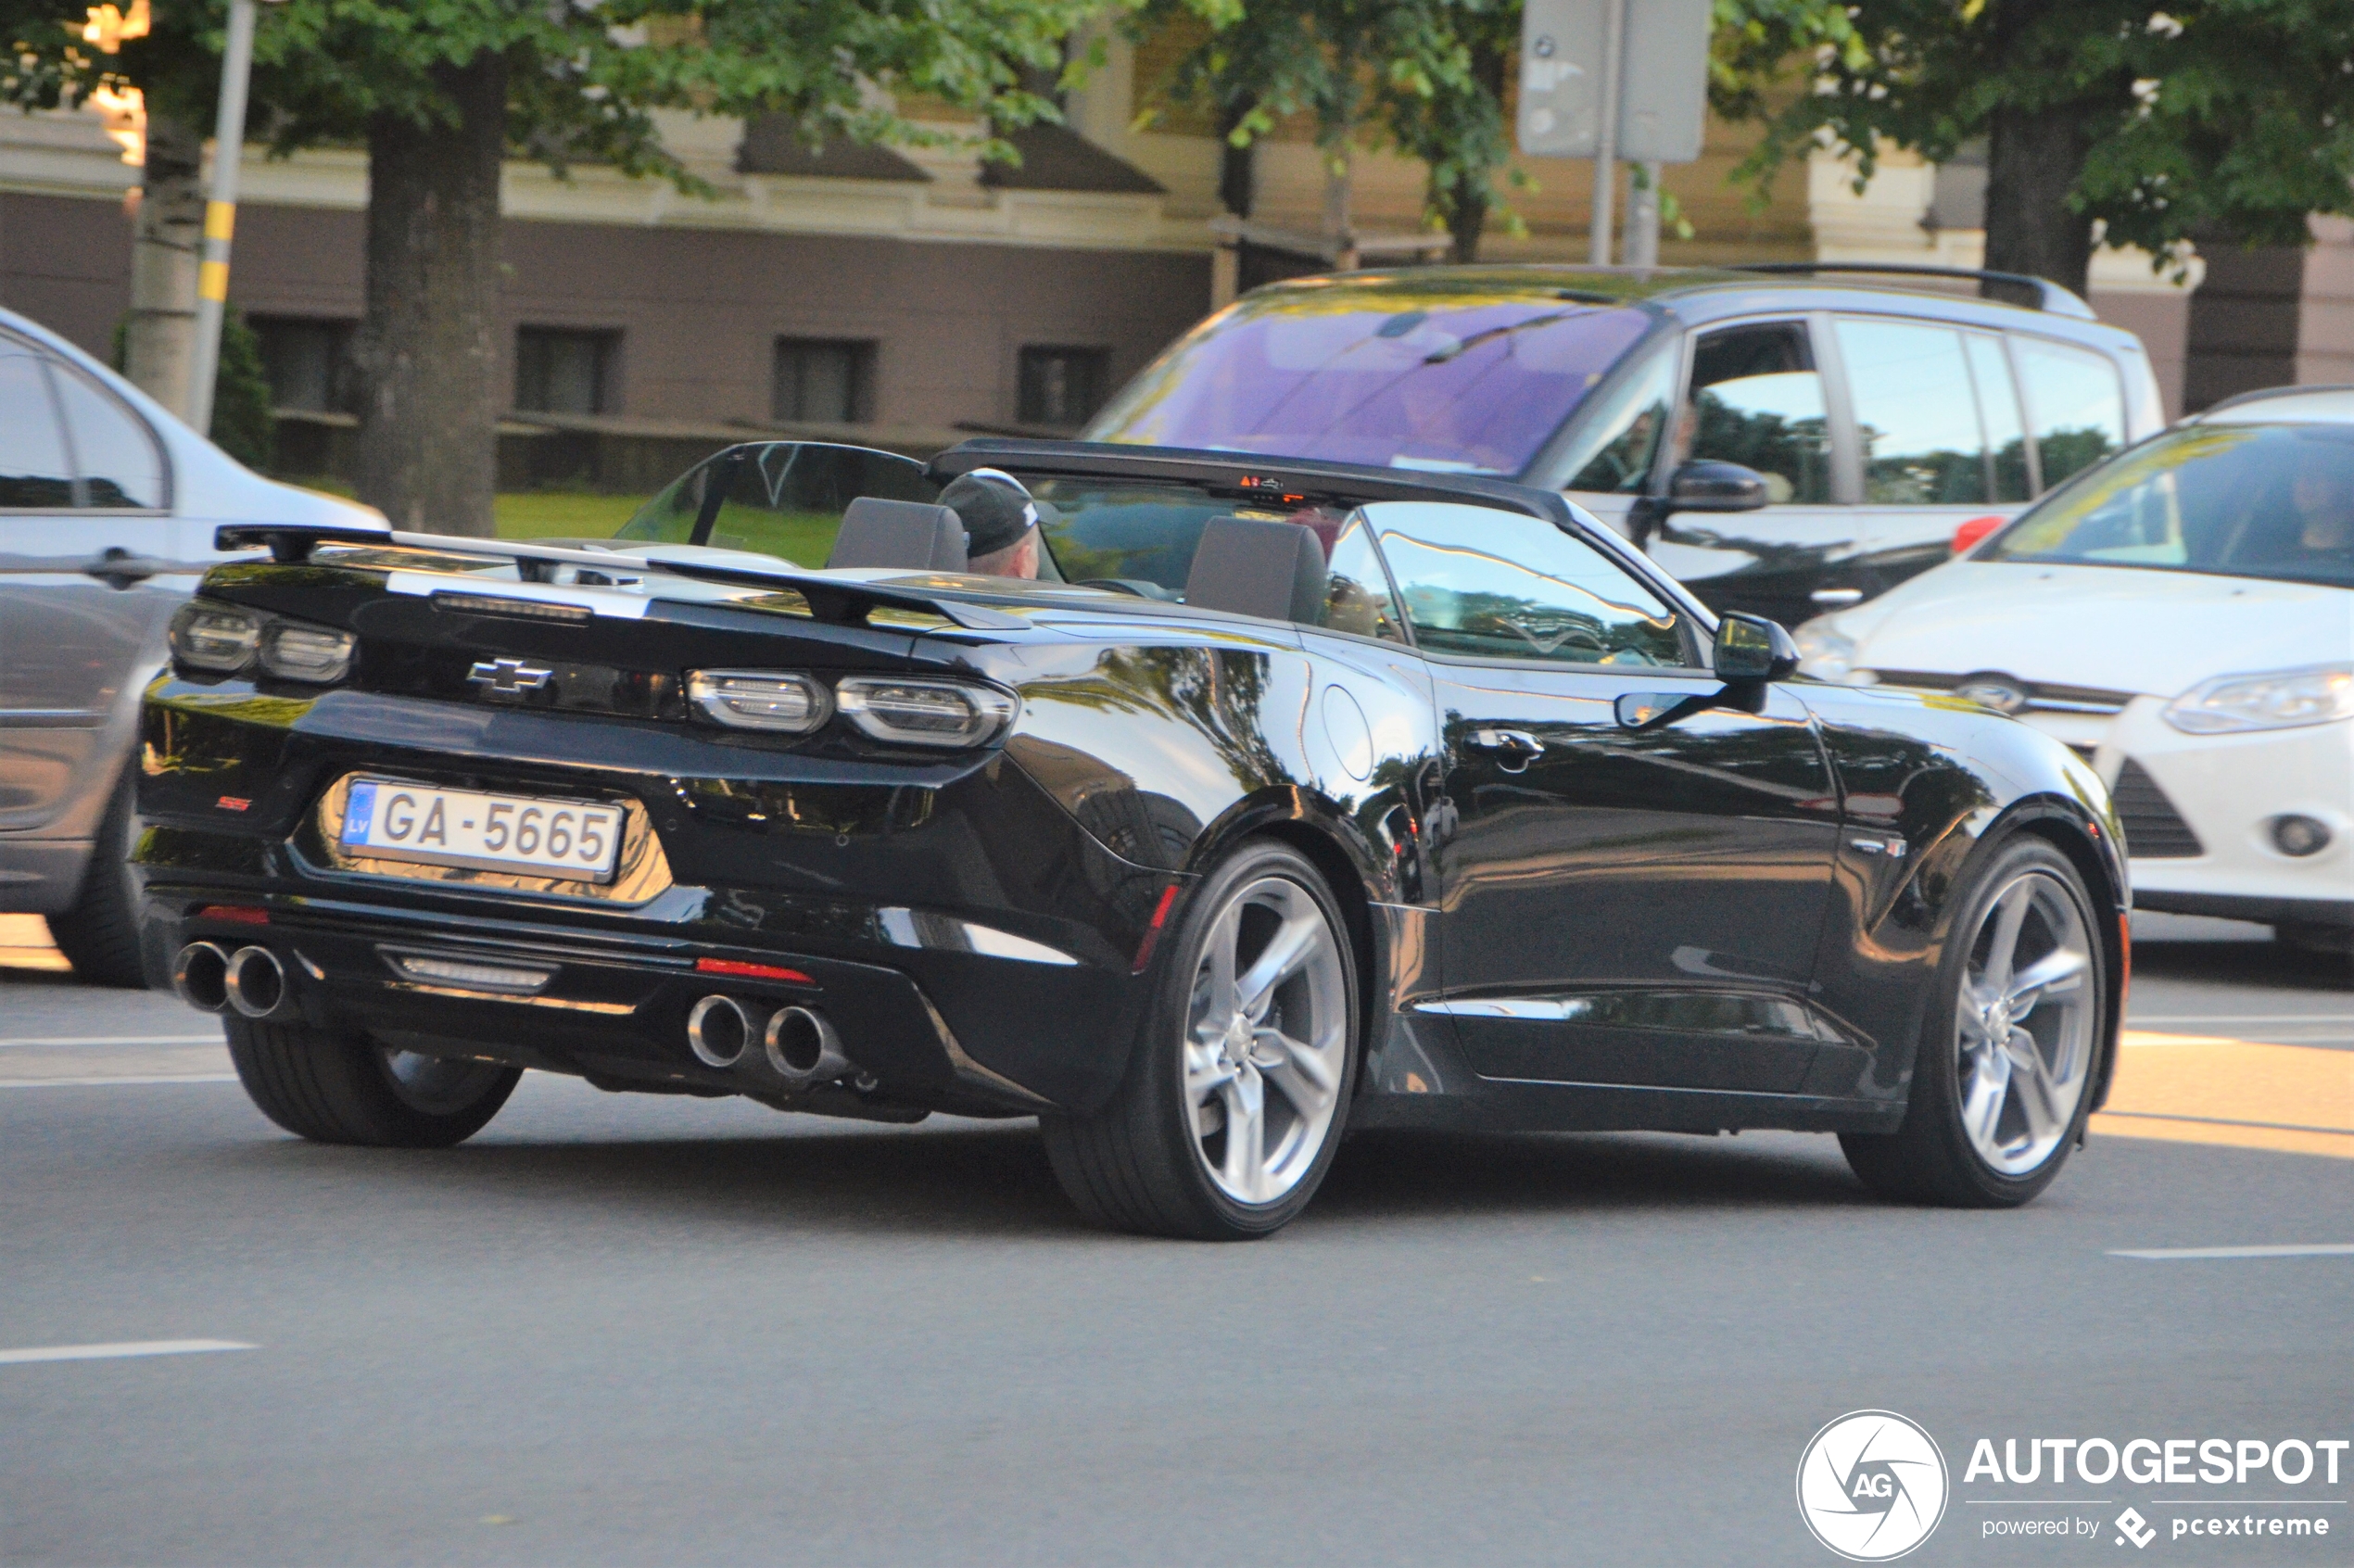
column 1062, row 387
column 823, row 380
column 559, row 370
column 308, row 363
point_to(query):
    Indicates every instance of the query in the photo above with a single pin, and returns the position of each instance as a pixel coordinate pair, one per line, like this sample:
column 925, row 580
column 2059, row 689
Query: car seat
column 910, row 534
column 1272, row 569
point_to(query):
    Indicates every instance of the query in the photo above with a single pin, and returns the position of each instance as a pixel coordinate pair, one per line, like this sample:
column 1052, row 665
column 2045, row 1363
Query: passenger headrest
column 1272, row 569
column 905, row 534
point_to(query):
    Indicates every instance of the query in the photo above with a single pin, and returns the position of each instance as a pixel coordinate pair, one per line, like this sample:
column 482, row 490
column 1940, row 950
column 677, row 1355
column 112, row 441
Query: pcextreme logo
column 1871, row 1485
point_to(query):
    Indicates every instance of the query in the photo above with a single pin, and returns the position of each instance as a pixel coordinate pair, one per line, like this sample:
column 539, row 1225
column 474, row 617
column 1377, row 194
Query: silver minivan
column 108, row 508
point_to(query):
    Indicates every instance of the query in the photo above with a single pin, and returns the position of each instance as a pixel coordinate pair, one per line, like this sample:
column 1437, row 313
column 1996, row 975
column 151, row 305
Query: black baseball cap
column 993, row 506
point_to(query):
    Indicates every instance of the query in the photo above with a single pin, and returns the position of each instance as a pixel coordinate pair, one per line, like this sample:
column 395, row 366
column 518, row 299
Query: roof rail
column 2049, row 296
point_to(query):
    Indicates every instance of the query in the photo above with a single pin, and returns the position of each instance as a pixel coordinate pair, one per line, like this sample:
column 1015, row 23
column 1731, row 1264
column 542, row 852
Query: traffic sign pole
column 221, row 215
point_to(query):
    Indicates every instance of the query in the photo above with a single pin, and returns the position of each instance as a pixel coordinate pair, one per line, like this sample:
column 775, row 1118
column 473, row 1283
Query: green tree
column 2212, row 121
column 441, row 92
column 1424, row 77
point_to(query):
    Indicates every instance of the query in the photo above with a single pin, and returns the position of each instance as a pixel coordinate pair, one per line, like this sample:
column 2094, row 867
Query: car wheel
column 1237, row 1090
column 2008, row 1049
column 334, row 1087
column 99, row 935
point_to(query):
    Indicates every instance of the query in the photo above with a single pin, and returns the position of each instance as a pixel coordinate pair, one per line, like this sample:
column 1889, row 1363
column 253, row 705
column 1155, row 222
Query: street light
column 220, row 212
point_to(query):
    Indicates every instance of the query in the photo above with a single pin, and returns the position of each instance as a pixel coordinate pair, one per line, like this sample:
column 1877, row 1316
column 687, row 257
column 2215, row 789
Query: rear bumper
column 971, row 942
column 614, row 1008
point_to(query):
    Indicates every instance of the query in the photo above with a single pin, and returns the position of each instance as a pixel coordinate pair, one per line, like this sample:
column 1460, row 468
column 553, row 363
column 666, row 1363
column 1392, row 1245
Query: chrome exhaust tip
column 803, row 1048
column 718, row 1029
column 255, row 982
column 200, row 975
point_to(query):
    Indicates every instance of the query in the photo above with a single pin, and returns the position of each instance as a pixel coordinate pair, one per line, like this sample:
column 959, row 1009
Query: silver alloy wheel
column 1269, row 1007
column 437, row 1085
column 2024, row 1022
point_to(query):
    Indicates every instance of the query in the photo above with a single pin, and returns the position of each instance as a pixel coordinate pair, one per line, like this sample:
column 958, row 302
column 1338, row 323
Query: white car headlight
column 2277, row 699
column 1827, row 653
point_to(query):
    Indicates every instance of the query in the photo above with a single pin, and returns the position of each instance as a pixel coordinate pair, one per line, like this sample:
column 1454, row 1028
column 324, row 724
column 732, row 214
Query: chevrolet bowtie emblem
column 508, row 677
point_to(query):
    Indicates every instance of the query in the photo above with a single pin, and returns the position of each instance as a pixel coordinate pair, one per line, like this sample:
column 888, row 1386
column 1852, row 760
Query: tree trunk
column 428, row 438
column 159, row 338
column 2034, row 158
column 1237, row 167
column 1467, row 213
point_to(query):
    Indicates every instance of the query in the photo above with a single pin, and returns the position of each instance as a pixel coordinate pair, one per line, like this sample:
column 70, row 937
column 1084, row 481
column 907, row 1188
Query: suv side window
column 1483, row 584
column 2075, row 405
column 34, row 473
column 1915, row 422
column 1755, row 399
column 1989, row 368
column 1622, row 439
column 121, row 469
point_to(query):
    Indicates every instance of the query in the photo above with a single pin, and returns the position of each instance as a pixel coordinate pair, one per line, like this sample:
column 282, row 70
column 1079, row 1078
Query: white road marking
column 212, row 1039
column 117, row 1352
column 2313, row 1249
column 111, row 1082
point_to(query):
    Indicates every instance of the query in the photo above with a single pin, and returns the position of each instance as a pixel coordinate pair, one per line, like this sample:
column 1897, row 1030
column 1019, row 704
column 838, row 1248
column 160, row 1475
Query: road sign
column 1662, row 96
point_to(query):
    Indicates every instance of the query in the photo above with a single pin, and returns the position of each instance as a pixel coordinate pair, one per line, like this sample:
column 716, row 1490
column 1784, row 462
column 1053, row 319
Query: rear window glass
column 1470, row 380
column 2248, row 500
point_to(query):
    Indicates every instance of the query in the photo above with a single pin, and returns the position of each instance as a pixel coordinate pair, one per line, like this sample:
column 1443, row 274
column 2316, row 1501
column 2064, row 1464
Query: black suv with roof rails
column 1785, row 438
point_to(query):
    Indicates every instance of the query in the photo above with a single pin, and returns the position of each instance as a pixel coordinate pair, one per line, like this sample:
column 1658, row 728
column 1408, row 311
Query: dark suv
column 1858, row 426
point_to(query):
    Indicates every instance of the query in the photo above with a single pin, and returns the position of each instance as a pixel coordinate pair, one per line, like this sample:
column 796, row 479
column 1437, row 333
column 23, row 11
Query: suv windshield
column 2244, row 501
column 1470, row 380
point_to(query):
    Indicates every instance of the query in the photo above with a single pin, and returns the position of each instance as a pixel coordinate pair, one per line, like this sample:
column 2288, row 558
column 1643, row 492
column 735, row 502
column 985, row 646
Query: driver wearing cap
column 1001, row 523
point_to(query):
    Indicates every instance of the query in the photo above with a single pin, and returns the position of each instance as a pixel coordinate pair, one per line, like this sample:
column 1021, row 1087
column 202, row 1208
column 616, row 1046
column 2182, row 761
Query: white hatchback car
column 2183, row 615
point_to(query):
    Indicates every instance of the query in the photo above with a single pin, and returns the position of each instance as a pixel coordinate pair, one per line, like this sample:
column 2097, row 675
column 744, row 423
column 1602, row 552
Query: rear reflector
column 751, row 971
column 1977, row 528
column 1152, row 931
column 234, row 914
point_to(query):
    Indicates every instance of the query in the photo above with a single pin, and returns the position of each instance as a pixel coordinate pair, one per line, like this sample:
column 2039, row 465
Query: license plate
column 569, row 838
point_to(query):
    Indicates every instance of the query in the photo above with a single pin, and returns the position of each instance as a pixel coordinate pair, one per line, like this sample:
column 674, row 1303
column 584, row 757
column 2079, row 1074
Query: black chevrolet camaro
column 1295, row 799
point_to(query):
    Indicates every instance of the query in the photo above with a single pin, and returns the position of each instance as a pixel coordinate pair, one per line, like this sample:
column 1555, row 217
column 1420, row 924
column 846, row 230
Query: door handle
column 119, row 569
column 1836, row 598
column 1515, row 748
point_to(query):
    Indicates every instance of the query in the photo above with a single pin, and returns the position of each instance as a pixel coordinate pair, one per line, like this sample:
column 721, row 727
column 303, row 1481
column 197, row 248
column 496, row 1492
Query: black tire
column 338, row 1088
column 1930, row 1158
column 1139, row 1164
column 99, row 935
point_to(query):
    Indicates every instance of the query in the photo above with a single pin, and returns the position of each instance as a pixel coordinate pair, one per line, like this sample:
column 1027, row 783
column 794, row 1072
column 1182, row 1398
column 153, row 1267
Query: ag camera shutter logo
column 1871, row 1485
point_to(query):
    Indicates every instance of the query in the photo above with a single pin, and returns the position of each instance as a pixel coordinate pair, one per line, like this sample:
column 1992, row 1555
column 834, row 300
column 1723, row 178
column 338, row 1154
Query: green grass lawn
column 540, row 514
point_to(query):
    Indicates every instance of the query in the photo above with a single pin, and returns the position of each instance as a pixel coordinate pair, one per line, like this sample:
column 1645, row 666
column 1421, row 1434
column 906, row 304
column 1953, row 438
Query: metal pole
column 221, row 214
column 1642, row 217
column 1606, row 134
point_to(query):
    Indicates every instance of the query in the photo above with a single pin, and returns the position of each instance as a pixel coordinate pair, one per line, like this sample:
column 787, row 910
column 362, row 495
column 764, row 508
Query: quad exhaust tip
column 255, row 981
column 718, row 1029
column 803, row 1049
column 200, row 975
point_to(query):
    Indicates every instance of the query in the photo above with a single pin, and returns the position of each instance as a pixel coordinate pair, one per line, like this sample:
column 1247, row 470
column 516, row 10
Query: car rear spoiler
column 831, row 600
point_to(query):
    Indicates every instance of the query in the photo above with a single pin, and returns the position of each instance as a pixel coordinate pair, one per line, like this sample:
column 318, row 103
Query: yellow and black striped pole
column 221, row 214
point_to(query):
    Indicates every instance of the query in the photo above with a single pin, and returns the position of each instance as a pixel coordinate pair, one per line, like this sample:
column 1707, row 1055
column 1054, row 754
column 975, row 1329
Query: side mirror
column 1705, row 485
column 1752, row 649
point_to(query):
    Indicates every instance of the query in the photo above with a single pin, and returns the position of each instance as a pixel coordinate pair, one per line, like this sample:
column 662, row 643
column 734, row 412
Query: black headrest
column 1272, row 569
column 895, row 533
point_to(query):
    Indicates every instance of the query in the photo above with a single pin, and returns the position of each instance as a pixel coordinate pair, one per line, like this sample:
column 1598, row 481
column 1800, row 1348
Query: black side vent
column 2154, row 830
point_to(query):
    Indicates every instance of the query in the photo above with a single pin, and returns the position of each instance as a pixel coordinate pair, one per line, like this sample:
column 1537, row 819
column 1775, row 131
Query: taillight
column 1977, row 528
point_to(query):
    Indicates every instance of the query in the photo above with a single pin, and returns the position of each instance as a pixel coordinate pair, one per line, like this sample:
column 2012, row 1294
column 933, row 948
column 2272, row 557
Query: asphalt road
column 616, row 1329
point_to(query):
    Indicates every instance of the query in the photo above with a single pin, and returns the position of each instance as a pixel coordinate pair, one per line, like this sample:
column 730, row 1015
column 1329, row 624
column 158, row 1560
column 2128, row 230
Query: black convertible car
column 1295, row 798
